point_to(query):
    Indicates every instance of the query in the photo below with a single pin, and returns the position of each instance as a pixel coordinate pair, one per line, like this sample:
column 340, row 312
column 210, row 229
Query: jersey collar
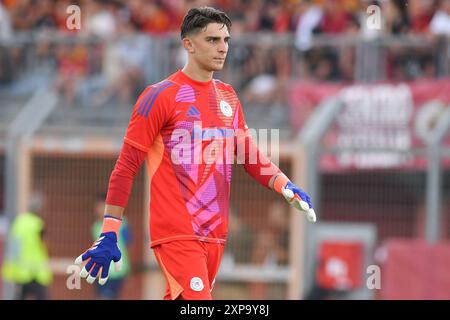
column 191, row 81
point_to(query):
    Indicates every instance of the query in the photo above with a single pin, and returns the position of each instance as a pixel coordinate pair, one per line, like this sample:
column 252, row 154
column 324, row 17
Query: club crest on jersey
column 197, row 284
column 226, row 109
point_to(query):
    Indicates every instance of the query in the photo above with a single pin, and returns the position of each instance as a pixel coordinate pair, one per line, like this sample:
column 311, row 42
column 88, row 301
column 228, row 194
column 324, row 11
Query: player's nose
column 223, row 47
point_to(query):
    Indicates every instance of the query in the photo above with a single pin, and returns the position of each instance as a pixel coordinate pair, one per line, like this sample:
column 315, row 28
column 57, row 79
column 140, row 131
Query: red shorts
column 190, row 268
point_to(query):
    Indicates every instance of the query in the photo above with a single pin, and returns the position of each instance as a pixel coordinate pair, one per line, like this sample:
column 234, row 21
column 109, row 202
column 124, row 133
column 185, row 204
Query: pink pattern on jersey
column 185, row 94
column 220, row 168
column 189, row 167
column 205, row 230
column 204, row 195
column 205, row 201
column 214, row 224
column 204, row 216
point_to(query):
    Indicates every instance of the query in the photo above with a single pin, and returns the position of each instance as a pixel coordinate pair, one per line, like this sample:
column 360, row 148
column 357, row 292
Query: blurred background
column 359, row 91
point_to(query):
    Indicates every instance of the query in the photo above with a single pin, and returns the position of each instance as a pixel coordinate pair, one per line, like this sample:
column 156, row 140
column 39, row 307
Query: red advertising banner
column 378, row 123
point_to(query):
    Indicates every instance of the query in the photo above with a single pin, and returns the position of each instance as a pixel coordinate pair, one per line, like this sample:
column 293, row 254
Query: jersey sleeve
column 121, row 181
column 150, row 113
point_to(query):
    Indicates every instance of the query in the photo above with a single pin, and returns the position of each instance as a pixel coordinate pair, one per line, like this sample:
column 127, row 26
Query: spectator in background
column 238, row 56
column 240, row 242
column 440, row 24
column 271, row 247
column 267, row 74
column 266, row 90
column 345, row 60
column 5, row 23
column 279, row 227
column 100, row 18
column 324, row 69
column 26, row 263
column 310, row 16
column 420, row 12
column 327, row 63
column 252, row 11
column 335, row 18
column 112, row 288
column 124, row 57
column 274, row 17
column 155, row 19
column 397, row 20
column 72, row 62
column 175, row 10
column 44, row 17
column 260, row 90
column 6, row 66
column 22, row 15
column 60, row 14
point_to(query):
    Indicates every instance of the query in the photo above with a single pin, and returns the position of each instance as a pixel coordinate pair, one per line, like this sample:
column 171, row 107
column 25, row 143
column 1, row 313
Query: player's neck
column 197, row 74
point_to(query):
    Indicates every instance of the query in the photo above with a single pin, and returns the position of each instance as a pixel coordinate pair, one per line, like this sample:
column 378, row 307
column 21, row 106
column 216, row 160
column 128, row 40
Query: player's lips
column 219, row 59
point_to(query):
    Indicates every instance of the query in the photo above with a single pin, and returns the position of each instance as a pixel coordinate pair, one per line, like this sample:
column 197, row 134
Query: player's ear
column 188, row 44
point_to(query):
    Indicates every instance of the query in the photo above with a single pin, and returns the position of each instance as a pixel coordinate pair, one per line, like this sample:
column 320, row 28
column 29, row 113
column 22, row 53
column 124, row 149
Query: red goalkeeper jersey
column 186, row 127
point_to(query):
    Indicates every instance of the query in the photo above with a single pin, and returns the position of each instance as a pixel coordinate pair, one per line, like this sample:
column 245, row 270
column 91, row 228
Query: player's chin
column 217, row 65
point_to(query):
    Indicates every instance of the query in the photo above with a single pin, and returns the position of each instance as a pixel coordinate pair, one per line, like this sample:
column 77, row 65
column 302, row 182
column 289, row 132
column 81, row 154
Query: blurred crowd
column 118, row 69
column 103, row 17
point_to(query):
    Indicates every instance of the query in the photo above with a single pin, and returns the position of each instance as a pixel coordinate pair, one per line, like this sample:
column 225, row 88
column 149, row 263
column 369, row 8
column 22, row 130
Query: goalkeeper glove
column 299, row 199
column 295, row 196
column 102, row 252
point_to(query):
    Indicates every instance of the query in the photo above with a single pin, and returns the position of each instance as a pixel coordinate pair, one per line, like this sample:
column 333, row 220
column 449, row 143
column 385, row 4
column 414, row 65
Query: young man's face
column 209, row 46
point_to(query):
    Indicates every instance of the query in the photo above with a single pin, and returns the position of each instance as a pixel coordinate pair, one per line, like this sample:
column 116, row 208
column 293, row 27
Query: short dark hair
column 198, row 18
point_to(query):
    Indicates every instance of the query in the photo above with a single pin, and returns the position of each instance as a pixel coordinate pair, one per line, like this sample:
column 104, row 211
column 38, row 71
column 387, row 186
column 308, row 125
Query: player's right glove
column 102, row 253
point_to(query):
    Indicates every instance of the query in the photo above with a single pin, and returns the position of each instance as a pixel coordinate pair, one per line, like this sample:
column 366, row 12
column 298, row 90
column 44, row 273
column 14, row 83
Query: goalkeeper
column 180, row 127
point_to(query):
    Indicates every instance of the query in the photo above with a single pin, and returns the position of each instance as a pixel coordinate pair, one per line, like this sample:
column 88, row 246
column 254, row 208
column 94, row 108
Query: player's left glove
column 102, row 253
column 299, row 199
